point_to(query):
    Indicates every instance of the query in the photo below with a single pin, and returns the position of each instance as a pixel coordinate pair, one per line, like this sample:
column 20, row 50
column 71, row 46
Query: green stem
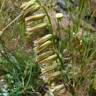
column 45, row 10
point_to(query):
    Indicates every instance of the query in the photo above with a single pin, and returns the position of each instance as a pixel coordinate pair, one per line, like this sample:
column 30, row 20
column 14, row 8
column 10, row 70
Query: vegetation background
column 75, row 36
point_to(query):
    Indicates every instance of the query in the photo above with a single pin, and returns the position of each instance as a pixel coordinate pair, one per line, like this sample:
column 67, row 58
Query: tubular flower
column 49, row 59
column 44, row 55
column 35, row 17
column 37, row 27
column 43, row 39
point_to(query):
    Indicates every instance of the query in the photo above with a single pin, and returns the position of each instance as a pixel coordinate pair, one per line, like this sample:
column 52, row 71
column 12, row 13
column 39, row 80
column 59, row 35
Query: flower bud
column 1, row 32
column 35, row 17
column 43, row 46
column 25, row 5
column 54, row 75
column 44, row 55
column 43, row 39
column 49, row 59
column 31, row 9
column 37, row 27
column 57, row 88
column 59, row 15
column 49, row 68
